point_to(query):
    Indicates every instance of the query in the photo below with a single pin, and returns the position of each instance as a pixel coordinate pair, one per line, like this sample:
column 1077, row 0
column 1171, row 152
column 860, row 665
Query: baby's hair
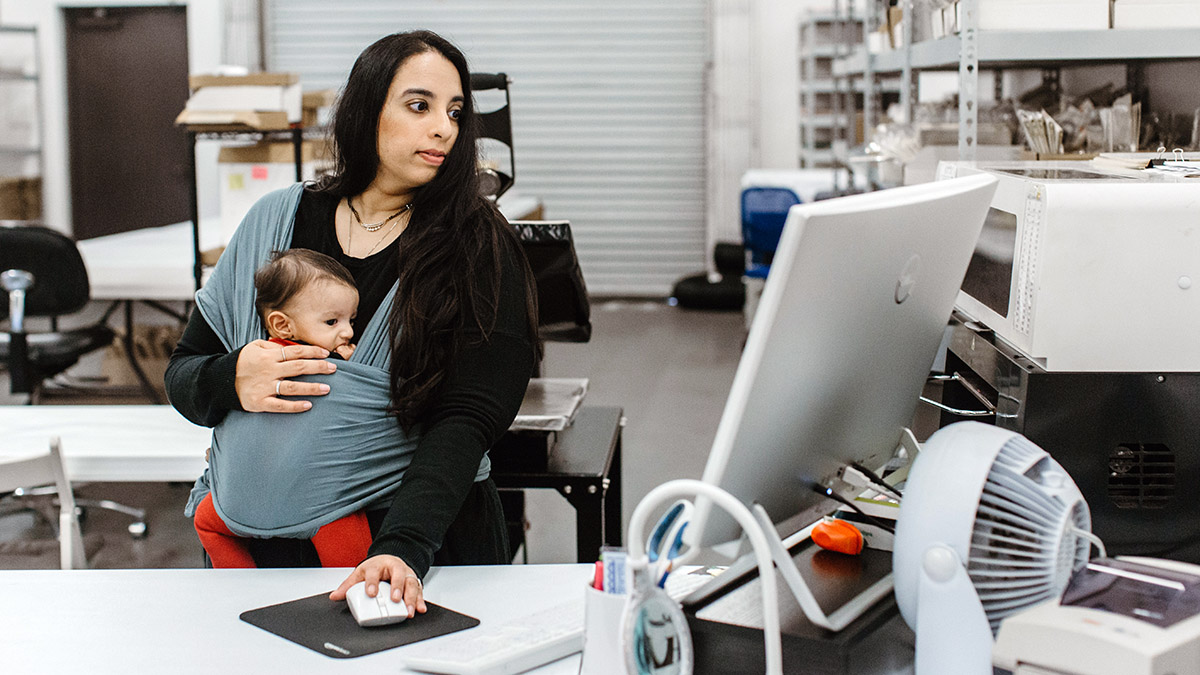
column 287, row 272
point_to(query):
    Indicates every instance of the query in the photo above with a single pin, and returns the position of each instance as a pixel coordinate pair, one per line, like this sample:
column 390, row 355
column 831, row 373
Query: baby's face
column 323, row 313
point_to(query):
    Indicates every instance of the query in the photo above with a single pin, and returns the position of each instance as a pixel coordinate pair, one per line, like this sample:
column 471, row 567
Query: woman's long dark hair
column 452, row 252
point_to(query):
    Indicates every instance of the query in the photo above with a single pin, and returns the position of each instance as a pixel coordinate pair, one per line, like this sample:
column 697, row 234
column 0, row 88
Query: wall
column 754, row 99
column 204, row 53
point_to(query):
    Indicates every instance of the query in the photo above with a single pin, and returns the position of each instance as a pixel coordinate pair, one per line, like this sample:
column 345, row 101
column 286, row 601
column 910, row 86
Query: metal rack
column 973, row 49
column 16, row 152
column 232, row 133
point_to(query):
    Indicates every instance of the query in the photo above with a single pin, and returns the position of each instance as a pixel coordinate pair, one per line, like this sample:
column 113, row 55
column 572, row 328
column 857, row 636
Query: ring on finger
column 282, row 354
column 415, row 578
column 277, row 383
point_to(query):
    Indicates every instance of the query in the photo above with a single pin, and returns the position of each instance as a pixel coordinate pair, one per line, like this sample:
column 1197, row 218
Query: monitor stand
column 849, row 611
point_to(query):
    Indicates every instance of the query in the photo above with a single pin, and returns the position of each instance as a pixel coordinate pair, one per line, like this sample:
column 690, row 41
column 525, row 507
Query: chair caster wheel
column 138, row 530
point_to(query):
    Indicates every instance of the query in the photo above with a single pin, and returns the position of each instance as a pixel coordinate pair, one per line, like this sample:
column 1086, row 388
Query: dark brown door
column 127, row 70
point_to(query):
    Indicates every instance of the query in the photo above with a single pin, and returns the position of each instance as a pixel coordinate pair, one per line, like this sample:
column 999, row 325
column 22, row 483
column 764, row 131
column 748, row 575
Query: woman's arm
column 204, row 382
column 481, row 399
column 482, row 394
column 200, row 375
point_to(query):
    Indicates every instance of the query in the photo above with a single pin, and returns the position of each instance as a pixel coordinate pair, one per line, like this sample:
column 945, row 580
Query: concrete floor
column 669, row 368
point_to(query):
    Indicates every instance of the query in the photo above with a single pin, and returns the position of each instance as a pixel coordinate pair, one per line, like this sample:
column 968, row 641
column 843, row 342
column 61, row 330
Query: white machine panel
column 1088, row 270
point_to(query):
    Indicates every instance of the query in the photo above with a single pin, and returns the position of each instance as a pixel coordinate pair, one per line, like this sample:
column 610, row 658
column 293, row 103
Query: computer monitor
column 850, row 320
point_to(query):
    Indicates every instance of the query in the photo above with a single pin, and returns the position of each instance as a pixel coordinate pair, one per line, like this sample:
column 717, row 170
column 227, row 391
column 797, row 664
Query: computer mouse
column 377, row 611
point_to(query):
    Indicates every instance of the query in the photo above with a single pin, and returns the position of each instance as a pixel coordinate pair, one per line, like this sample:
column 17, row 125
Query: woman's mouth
column 433, row 157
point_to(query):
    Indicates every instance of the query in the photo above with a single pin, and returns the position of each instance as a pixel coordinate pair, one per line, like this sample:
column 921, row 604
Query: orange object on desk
column 838, row 535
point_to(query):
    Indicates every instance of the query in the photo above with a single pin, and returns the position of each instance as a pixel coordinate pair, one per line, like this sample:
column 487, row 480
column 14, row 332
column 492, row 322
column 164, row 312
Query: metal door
column 127, row 70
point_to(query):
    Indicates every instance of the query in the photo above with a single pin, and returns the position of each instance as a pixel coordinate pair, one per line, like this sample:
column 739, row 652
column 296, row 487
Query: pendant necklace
column 373, row 227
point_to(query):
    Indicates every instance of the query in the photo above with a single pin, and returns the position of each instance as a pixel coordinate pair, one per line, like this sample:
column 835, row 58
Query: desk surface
column 186, row 621
column 154, row 443
column 155, row 263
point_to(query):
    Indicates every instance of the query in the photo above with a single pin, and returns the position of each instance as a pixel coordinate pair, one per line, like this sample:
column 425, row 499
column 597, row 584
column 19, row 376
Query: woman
column 402, row 212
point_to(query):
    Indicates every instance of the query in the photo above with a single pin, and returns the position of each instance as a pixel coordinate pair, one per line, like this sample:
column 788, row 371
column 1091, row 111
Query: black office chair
column 497, row 125
column 44, row 276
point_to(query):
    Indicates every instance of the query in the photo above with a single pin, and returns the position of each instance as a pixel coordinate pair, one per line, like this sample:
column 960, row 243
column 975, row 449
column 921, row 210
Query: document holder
column 327, row 627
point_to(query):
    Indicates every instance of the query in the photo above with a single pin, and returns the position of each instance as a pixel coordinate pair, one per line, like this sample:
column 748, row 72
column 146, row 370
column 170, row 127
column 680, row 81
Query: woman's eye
column 418, row 106
column 455, row 114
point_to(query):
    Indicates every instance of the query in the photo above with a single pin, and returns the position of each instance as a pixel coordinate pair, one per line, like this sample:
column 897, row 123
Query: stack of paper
column 550, row 404
column 1042, row 133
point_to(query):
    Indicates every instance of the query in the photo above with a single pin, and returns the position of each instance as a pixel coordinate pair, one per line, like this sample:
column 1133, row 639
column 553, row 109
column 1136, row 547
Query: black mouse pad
column 328, row 627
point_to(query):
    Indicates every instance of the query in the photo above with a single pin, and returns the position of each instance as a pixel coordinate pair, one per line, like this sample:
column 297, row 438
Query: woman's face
column 419, row 122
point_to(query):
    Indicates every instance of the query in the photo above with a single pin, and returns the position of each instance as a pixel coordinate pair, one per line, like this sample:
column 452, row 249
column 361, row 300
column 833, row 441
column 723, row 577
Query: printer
column 1084, row 269
column 1122, row 616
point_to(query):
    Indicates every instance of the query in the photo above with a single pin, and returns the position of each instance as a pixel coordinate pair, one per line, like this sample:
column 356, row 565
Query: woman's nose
column 442, row 127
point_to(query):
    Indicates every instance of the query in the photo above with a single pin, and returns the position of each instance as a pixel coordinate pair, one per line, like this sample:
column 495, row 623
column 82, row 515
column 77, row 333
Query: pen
column 598, row 577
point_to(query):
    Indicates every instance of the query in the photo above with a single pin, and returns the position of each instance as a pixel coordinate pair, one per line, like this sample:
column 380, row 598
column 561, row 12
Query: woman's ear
column 279, row 325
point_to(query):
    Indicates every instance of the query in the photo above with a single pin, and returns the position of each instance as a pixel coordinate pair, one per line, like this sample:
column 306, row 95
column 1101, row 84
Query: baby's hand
column 345, row 351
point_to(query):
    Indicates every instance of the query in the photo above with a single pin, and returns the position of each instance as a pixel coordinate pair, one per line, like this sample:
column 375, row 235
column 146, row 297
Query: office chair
column 47, row 469
column 764, row 211
column 44, row 276
column 496, row 125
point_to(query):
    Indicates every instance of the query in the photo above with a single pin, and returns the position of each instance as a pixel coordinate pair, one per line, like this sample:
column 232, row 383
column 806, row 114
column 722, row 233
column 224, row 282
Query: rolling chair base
column 137, row 529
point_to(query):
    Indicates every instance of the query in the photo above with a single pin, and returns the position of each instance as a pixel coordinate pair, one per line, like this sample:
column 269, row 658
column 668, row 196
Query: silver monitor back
column 853, row 311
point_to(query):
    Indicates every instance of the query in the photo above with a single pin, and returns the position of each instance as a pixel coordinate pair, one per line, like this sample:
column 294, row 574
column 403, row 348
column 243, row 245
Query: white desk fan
column 989, row 525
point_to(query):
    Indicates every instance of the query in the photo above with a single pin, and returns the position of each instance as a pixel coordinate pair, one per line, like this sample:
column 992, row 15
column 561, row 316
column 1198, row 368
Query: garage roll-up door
column 607, row 105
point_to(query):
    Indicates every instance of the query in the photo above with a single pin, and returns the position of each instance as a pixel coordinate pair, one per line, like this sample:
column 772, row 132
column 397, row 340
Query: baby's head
column 306, row 296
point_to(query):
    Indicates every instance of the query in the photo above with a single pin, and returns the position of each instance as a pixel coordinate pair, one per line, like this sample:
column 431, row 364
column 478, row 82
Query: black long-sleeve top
column 478, row 401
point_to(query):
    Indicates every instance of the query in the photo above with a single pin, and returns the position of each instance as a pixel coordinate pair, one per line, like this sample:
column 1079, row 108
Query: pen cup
column 602, row 651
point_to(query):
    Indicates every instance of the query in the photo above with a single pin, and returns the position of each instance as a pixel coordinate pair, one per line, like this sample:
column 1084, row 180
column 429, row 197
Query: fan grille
column 1022, row 548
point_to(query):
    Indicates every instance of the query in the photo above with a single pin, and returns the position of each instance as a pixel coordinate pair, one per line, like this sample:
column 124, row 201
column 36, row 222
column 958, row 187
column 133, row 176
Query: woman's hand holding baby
column 263, row 376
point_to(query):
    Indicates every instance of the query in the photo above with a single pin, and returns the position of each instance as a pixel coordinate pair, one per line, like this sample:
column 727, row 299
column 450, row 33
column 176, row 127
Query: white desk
column 150, row 264
column 155, row 263
column 135, row 443
column 186, row 621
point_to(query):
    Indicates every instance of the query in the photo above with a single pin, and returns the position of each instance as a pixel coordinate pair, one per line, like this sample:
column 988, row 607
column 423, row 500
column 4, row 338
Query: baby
column 305, row 297
column 302, row 297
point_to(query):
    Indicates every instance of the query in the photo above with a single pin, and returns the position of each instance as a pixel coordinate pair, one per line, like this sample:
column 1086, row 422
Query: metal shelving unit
column 20, row 134
column 827, row 103
column 973, row 49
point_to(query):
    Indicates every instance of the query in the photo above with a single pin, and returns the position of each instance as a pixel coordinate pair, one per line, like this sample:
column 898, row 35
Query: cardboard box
column 152, row 345
column 257, row 101
column 246, row 173
column 895, row 26
column 312, row 103
column 20, row 197
column 1039, row 15
column 1142, row 14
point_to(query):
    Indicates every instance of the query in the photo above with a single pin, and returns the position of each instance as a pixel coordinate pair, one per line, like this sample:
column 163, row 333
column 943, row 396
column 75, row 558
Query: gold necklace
column 350, row 230
column 374, row 227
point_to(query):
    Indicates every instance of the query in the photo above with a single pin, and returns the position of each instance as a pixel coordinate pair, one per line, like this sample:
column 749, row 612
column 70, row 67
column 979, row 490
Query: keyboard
column 503, row 648
column 681, row 583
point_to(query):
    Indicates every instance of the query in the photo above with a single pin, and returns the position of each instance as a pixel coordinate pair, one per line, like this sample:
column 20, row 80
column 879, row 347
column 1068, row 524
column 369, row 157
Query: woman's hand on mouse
column 387, row 568
column 263, row 376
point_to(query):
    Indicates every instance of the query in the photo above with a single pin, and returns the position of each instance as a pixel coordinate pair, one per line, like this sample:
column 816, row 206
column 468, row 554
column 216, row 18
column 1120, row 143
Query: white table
column 134, row 443
column 186, row 621
column 155, row 263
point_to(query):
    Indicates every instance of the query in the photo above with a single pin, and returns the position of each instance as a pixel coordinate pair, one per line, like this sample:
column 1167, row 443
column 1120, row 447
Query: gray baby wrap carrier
column 286, row 475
